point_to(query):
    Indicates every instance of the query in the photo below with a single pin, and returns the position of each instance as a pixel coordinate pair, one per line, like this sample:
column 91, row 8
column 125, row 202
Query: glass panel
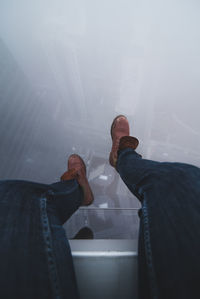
column 105, row 223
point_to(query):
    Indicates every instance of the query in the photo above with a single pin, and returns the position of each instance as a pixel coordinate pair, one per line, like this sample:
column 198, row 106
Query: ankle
column 128, row 142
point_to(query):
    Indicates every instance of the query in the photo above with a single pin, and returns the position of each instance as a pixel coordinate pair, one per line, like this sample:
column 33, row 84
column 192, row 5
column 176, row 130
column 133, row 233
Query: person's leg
column 35, row 256
column 170, row 220
column 24, row 268
column 169, row 242
column 138, row 175
column 62, row 200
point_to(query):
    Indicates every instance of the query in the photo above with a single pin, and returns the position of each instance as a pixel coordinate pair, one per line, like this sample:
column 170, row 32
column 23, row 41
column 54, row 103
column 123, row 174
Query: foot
column 77, row 170
column 120, row 129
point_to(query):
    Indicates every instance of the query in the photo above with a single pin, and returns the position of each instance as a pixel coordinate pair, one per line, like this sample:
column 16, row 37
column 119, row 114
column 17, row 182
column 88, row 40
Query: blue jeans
column 35, row 257
column 169, row 238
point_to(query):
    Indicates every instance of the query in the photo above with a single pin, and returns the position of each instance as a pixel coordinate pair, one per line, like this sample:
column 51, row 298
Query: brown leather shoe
column 120, row 138
column 77, row 170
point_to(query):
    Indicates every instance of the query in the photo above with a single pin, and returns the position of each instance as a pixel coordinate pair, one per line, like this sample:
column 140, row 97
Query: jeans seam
column 148, row 252
column 46, row 232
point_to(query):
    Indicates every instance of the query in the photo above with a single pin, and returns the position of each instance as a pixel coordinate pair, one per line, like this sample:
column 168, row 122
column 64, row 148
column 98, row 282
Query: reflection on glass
column 105, row 223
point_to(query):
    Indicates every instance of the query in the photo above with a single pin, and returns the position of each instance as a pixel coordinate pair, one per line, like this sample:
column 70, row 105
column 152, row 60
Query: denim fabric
column 169, row 238
column 35, row 257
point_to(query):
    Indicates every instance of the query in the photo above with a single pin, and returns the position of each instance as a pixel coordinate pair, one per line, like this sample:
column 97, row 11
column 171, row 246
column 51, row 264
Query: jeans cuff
column 124, row 152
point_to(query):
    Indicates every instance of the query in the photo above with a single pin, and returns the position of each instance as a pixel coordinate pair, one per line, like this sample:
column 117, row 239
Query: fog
column 67, row 68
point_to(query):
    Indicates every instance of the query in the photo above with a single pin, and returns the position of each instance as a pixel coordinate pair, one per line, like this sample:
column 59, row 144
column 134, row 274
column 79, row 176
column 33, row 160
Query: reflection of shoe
column 77, row 170
column 84, row 233
column 120, row 138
